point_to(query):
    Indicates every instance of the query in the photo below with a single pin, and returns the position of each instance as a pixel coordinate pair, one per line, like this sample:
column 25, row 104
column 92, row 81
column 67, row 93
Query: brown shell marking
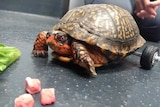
column 106, row 26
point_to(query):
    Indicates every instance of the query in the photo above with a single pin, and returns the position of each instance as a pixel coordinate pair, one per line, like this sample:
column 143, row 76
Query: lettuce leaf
column 8, row 55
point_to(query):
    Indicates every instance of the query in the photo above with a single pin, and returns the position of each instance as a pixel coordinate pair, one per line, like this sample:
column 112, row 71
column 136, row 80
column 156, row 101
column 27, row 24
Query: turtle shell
column 109, row 27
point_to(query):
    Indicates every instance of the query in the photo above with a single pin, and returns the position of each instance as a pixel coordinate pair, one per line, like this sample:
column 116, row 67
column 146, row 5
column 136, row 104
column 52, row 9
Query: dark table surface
column 121, row 85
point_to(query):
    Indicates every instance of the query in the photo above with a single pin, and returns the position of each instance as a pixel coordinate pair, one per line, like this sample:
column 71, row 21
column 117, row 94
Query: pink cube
column 32, row 86
column 24, row 100
column 47, row 96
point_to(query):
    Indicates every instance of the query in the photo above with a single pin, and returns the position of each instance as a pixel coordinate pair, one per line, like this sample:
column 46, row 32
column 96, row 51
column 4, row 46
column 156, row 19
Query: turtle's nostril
column 48, row 34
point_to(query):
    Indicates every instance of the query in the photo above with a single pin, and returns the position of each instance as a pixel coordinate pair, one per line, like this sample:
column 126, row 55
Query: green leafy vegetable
column 7, row 56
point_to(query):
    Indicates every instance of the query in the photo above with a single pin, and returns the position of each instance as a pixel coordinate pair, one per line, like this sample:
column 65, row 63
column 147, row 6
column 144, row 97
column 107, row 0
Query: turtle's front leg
column 40, row 47
column 82, row 58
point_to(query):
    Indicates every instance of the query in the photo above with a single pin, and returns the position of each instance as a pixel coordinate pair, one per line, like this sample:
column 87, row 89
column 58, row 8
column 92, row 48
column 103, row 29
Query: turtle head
column 59, row 42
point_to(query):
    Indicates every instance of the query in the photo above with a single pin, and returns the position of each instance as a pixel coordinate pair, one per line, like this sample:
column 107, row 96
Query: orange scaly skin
column 60, row 49
column 40, row 47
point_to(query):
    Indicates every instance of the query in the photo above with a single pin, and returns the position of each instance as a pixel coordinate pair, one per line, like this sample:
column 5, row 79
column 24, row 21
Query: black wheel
column 148, row 57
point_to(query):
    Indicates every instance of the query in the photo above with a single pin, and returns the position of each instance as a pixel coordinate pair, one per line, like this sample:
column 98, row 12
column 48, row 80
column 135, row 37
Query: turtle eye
column 61, row 37
column 48, row 34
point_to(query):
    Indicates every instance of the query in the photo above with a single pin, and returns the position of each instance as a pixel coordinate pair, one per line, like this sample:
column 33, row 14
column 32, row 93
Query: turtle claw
column 93, row 74
column 90, row 68
column 39, row 53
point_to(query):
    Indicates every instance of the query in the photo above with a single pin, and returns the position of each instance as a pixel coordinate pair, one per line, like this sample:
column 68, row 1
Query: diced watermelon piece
column 24, row 100
column 32, row 86
column 47, row 96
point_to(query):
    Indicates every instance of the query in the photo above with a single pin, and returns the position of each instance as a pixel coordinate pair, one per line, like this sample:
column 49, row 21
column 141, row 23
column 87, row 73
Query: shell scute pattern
column 106, row 26
column 124, row 23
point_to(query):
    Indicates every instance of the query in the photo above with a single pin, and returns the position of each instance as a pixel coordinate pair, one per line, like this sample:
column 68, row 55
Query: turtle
column 91, row 36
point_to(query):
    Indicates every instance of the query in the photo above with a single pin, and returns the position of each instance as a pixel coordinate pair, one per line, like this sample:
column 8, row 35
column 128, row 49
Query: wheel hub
column 156, row 58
